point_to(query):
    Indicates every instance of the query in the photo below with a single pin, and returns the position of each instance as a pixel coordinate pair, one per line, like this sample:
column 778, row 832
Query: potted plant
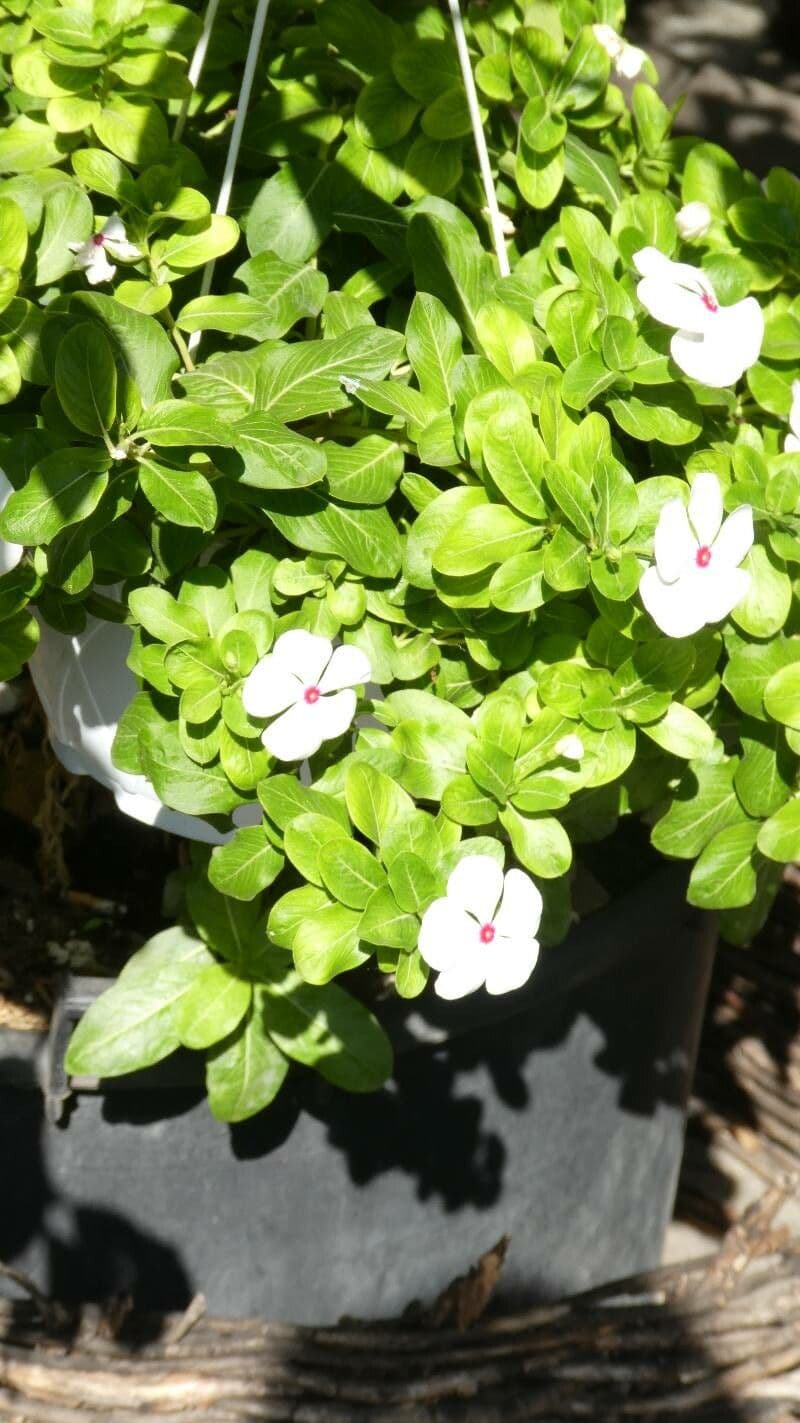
column 463, row 545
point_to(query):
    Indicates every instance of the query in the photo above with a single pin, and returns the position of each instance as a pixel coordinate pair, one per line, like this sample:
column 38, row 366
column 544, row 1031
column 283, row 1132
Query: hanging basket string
column 495, row 218
column 235, row 140
column 196, row 68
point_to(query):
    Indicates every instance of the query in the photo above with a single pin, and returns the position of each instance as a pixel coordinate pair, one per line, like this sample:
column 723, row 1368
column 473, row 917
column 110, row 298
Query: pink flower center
column 709, row 303
column 487, row 933
column 703, row 556
column 98, row 239
column 311, row 695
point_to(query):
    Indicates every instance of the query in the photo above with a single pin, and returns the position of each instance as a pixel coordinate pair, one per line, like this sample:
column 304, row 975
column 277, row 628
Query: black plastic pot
column 555, row 1117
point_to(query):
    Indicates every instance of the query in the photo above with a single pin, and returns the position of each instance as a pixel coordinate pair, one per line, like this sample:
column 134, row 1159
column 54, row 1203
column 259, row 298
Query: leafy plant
column 385, row 445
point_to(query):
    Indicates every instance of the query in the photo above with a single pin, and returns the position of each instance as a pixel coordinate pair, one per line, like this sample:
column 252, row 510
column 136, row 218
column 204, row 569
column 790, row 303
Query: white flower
column 628, row 60
column 713, row 344
column 483, row 930
column 693, row 221
column 791, row 444
column 571, row 748
column 10, row 554
column 696, row 578
column 311, row 684
column 92, row 256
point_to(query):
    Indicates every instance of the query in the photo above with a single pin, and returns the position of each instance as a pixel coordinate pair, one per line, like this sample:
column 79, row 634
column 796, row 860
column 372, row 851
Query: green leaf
column 782, row 692
column 13, row 234
column 486, row 536
column 466, row 804
column 683, row 733
column 665, row 413
column 450, row 263
column 724, row 876
column 443, row 514
column 349, row 872
column 514, row 456
column 284, row 291
column 102, row 172
column 540, row 176
column 367, row 539
column 386, row 925
column 275, row 457
column 712, row 176
column 573, row 497
column 246, row 1073
column 134, row 1023
column 86, row 379
column 164, row 617
column 295, row 382
column 227, row 925
column 291, row 214
column 779, row 837
column 433, row 342
column 135, row 131
column 176, row 781
column 413, row 883
column 593, row 172
column 375, row 802
column 182, row 496
column 64, row 488
column 305, row 838
column 750, row 669
column 359, row 31
column 67, row 218
column 365, row 472
column 765, row 606
column 541, row 127
column 183, row 422
column 284, row 798
column 146, row 358
column 704, row 804
column 539, row 842
column 326, row 943
column 213, row 1007
column 325, row 1028
column 384, row 112
column 584, row 75
column 246, row 865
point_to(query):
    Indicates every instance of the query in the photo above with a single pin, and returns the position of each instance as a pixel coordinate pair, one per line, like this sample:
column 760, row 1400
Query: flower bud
column 570, row 747
column 693, row 221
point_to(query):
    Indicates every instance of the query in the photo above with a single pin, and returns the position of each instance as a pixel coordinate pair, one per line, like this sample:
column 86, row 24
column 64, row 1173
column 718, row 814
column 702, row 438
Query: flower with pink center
column 93, row 254
column 696, row 578
column 307, row 686
column 713, row 344
column 483, row 930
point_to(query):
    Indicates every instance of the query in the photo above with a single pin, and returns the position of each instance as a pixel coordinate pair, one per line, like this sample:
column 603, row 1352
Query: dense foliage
column 382, row 441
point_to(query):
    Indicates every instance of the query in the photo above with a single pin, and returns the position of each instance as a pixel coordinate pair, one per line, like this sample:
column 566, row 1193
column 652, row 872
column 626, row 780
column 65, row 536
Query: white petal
column 510, row 964
column 735, row 538
column 791, row 444
column 672, row 304
column 650, row 262
column 270, row 689
column 114, row 228
column 123, row 251
column 729, row 345
column 465, row 976
column 348, row 667
column 100, row 269
column 630, row 61
column 476, row 885
column 447, row 934
column 611, row 41
column 674, row 607
column 521, row 910
column 674, row 545
column 693, row 221
column 335, row 712
column 85, row 252
column 705, row 507
column 724, row 589
column 295, row 735
column 303, row 653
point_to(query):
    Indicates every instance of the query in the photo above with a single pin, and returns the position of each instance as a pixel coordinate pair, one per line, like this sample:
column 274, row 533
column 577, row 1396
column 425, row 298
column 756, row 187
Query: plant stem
column 478, row 134
column 180, row 344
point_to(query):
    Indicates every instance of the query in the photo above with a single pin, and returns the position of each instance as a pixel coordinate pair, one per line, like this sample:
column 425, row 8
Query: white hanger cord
column 196, row 67
column 495, row 219
column 235, row 141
